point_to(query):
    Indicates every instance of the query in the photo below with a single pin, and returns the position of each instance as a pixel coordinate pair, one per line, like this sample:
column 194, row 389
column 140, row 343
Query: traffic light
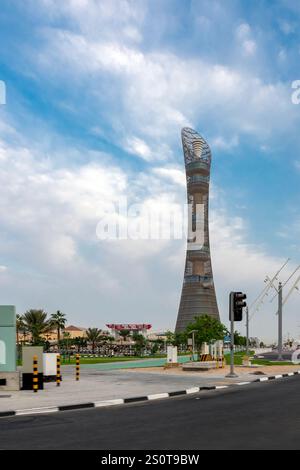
column 236, row 305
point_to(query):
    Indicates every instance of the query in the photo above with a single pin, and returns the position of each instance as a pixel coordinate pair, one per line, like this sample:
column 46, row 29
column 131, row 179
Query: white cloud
column 287, row 27
column 249, row 46
column 176, row 175
column 132, row 33
column 120, row 19
column 239, row 265
column 49, row 213
column 223, row 143
column 49, row 218
column 282, row 55
column 138, row 147
column 159, row 92
column 53, row 208
column 244, row 33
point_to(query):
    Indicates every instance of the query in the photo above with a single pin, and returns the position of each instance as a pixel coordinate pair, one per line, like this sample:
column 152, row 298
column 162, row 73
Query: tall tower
column 198, row 295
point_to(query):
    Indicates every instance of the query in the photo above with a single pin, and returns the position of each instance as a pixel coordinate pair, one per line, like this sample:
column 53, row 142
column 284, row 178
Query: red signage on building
column 130, row 326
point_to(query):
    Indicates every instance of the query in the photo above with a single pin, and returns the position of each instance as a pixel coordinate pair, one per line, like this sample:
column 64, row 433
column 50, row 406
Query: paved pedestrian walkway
column 98, row 385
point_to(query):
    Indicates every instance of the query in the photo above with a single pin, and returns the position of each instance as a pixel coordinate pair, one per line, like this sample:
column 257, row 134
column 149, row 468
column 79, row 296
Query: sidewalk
column 96, row 386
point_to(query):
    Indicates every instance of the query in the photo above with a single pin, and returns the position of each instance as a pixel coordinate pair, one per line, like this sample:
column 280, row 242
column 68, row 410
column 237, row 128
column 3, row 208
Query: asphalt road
column 255, row 416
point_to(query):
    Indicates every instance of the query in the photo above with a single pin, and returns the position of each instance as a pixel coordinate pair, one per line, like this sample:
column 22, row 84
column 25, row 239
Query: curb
column 122, row 401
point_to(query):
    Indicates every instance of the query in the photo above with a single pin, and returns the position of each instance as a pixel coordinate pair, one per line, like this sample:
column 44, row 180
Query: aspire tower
column 198, row 295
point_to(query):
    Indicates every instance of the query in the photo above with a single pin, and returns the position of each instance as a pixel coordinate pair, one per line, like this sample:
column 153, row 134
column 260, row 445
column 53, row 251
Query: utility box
column 220, row 348
column 49, row 366
column 204, row 348
column 9, row 377
column 216, row 349
column 172, row 360
column 28, row 352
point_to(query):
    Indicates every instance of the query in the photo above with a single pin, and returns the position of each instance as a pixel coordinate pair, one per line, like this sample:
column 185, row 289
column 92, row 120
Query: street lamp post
column 247, row 331
column 193, row 342
column 280, row 322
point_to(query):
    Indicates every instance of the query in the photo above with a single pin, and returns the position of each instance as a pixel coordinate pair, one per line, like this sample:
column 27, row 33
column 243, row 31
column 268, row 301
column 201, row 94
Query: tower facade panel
column 198, row 295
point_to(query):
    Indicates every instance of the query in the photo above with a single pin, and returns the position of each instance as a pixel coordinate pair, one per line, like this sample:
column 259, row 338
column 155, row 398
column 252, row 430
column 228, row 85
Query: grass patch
column 105, row 360
column 238, row 360
column 98, row 360
column 262, row 362
column 238, row 357
column 94, row 360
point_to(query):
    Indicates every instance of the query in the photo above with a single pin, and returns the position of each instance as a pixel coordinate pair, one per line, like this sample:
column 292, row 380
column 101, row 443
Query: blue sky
column 97, row 93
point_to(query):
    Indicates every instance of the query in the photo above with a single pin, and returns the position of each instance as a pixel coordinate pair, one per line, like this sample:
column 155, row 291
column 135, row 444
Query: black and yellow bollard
column 77, row 366
column 35, row 377
column 58, row 376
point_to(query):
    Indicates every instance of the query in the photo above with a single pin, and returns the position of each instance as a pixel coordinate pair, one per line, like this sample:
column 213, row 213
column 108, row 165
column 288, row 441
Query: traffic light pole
column 231, row 316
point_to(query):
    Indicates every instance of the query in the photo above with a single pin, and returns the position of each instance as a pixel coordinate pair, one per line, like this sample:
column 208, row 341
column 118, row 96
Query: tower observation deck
column 198, row 295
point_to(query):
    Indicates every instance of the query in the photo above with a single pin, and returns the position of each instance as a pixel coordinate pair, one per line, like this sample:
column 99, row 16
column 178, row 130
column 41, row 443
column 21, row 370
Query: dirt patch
column 266, row 370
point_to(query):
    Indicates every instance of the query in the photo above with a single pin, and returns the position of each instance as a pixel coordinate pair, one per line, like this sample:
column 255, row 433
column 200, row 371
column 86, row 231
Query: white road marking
column 117, row 401
column 192, row 390
column 34, row 411
column 157, row 396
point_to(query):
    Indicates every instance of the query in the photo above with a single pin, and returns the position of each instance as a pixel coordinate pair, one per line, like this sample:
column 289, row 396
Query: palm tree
column 37, row 324
column 93, row 335
column 58, row 320
column 20, row 326
column 140, row 343
column 67, row 340
column 124, row 334
column 80, row 343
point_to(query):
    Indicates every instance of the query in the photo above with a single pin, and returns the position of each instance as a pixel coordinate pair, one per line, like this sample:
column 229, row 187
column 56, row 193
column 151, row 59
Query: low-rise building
column 116, row 328
column 75, row 331
column 155, row 335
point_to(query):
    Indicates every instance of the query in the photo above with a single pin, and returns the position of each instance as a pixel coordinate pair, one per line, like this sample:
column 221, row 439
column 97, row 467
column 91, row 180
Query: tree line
column 38, row 325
